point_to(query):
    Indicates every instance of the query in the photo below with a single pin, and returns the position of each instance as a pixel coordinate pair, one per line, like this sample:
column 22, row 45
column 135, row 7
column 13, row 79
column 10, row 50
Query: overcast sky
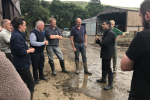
column 123, row 3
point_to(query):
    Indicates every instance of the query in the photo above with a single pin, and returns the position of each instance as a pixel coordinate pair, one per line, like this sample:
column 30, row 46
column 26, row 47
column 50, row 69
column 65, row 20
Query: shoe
column 103, row 79
column 45, row 79
column 110, row 83
column 62, row 64
column 52, row 68
column 36, row 82
column 86, row 69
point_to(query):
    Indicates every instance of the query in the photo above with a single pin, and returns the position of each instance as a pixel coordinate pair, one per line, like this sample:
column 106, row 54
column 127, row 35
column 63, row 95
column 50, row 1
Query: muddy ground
column 82, row 87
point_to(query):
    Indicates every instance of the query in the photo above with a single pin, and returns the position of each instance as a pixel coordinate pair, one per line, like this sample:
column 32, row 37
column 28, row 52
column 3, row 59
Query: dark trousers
column 27, row 78
column 106, row 66
column 9, row 56
column 38, row 64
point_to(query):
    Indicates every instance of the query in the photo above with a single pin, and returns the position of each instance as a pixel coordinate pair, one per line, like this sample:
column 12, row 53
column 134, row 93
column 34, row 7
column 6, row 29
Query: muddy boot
column 31, row 95
column 62, row 64
column 103, row 79
column 110, row 83
column 52, row 68
column 86, row 69
column 77, row 67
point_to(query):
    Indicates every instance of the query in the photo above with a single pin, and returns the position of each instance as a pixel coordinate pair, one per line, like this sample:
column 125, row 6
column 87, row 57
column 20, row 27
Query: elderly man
column 137, row 58
column 79, row 43
column 53, row 35
column 116, row 32
column 107, row 44
column 38, row 43
column 5, row 36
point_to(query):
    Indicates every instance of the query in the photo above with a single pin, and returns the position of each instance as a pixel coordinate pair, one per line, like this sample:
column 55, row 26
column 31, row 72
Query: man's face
column 23, row 27
column 53, row 23
column 112, row 26
column 105, row 26
column 0, row 28
column 8, row 26
column 41, row 27
column 78, row 22
column 144, row 22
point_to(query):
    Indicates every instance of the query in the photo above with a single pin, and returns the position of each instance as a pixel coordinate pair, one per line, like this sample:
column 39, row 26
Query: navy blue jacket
column 18, row 46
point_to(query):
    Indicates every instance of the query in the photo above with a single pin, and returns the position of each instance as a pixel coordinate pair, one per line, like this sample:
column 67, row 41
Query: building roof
column 91, row 19
column 115, row 10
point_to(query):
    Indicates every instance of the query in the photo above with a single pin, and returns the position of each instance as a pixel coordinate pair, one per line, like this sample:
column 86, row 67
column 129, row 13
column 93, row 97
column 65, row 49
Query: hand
column 74, row 49
column 31, row 50
column 57, row 36
column 85, row 44
column 96, row 38
column 101, row 40
column 45, row 42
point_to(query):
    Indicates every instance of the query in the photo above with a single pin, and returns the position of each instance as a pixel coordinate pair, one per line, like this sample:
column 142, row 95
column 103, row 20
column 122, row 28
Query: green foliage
column 65, row 13
column 45, row 4
column 94, row 7
column 32, row 12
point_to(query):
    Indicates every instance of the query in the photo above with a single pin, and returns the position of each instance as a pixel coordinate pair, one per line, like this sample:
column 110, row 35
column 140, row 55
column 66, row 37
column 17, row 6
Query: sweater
column 11, row 85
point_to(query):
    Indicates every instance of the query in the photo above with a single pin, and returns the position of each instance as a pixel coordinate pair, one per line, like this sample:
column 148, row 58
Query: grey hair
column 38, row 23
column 5, row 21
column 77, row 18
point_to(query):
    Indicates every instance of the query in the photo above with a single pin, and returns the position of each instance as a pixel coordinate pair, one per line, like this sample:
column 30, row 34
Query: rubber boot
column 62, row 64
column 110, row 83
column 52, row 68
column 77, row 67
column 31, row 95
column 103, row 79
column 86, row 69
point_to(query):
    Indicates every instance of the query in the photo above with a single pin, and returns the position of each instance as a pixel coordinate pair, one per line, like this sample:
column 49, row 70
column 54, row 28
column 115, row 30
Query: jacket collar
column 23, row 34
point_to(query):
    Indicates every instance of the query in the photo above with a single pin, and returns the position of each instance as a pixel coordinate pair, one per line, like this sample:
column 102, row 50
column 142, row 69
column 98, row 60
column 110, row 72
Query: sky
column 122, row 3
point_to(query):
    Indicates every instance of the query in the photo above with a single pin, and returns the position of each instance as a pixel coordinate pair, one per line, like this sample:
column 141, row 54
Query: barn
column 127, row 20
column 90, row 25
column 9, row 9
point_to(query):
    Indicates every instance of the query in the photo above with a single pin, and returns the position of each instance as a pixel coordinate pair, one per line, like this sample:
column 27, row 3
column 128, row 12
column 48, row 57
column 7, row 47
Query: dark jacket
column 18, row 46
column 39, row 38
column 107, row 44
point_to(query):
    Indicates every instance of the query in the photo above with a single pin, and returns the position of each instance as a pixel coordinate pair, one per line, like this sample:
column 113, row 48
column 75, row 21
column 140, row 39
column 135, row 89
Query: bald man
column 5, row 36
column 79, row 43
column 38, row 43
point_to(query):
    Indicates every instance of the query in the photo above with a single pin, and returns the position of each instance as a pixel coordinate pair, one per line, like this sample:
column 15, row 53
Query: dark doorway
column 7, row 9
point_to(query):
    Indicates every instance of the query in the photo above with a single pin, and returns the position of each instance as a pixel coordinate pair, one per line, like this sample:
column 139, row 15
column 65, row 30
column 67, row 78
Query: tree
column 94, row 7
column 45, row 4
column 32, row 12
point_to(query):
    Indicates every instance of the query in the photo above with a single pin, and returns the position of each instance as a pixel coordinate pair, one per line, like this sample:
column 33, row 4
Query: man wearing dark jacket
column 37, row 42
column 107, row 44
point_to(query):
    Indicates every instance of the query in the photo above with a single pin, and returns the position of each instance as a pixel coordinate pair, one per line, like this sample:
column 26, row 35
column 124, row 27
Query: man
column 5, row 36
column 116, row 32
column 79, row 43
column 37, row 42
column 137, row 58
column 53, row 35
column 107, row 44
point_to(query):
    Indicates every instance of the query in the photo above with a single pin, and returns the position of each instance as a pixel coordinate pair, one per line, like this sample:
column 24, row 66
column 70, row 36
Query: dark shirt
column 78, row 34
column 49, row 31
column 44, row 34
column 107, row 44
column 18, row 46
column 139, row 52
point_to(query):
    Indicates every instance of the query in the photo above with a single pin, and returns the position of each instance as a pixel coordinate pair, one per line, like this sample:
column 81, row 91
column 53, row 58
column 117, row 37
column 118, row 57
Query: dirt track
column 82, row 87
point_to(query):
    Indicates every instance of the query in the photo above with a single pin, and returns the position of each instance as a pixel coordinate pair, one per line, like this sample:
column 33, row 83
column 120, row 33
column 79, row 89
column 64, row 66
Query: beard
column 145, row 23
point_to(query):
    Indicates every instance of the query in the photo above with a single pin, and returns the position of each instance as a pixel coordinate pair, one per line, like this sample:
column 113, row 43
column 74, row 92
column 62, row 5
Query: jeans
column 56, row 50
column 114, row 55
column 80, row 48
column 38, row 63
column 106, row 66
column 27, row 78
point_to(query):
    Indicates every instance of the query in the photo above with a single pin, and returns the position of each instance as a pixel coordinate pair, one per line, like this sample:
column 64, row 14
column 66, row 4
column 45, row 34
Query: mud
column 82, row 87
